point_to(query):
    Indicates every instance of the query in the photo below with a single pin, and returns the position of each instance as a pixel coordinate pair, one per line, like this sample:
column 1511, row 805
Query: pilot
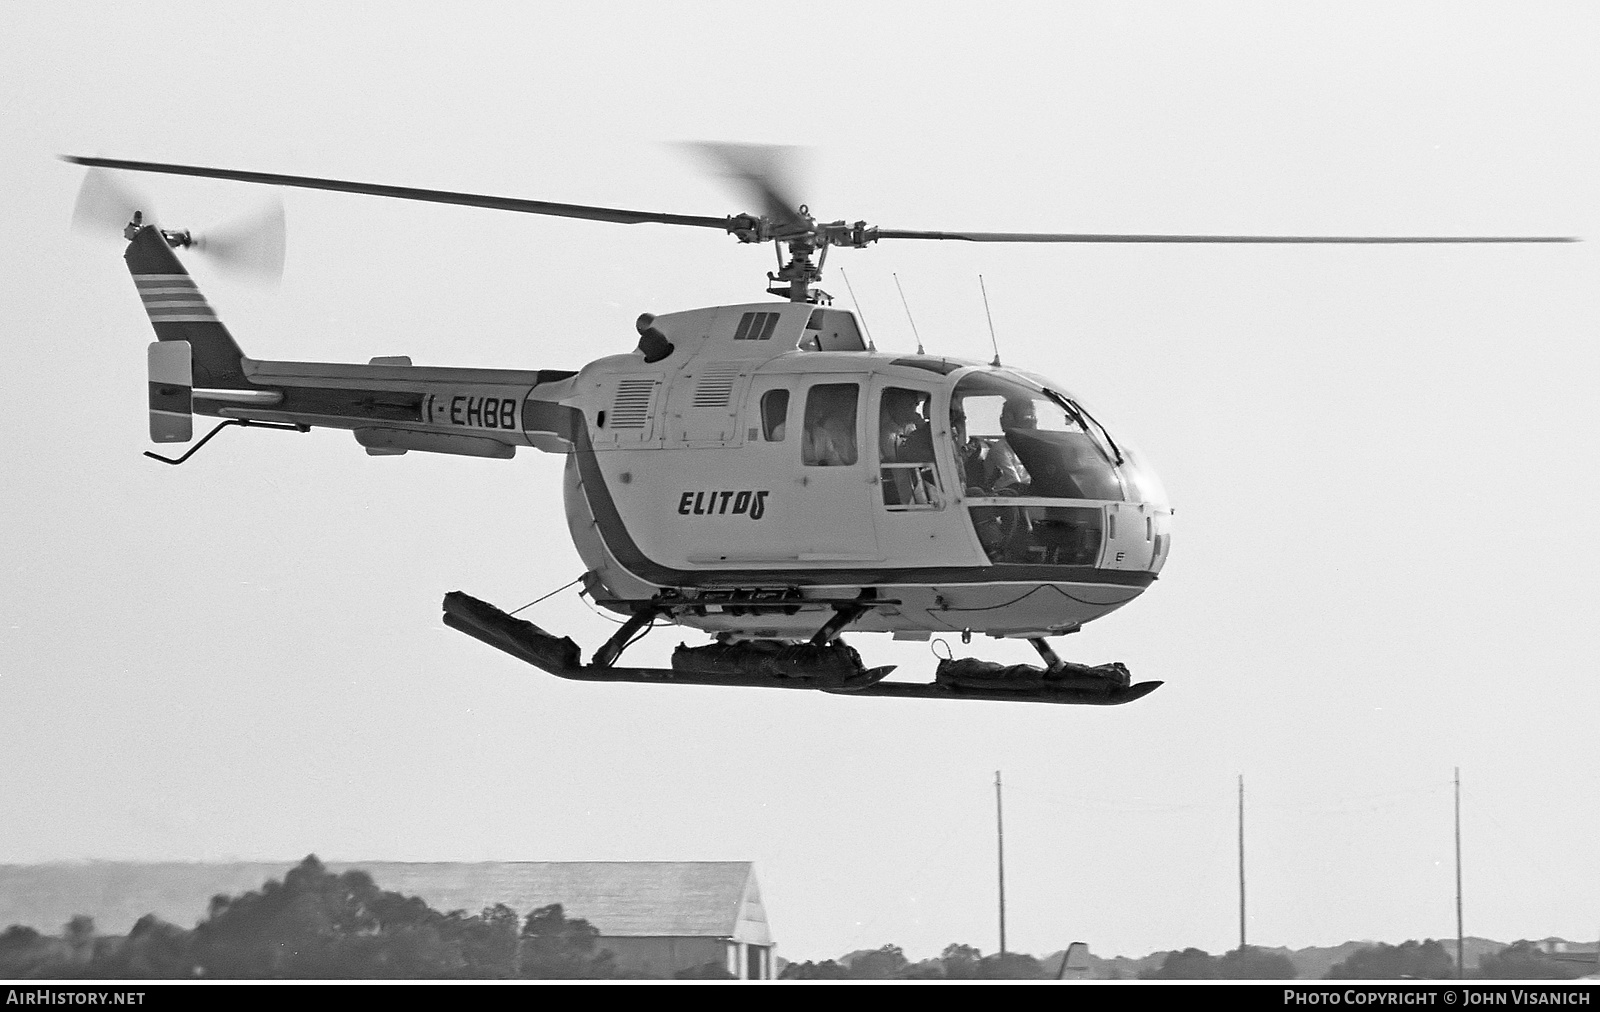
column 1018, row 413
column 969, row 452
column 991, row 467
column 1010, row 477
column 1002, row 530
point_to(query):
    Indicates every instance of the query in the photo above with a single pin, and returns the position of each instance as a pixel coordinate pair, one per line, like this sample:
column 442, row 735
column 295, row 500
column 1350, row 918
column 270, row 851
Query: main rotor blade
column 765, row 171
column 613, row 214
column 886, row 233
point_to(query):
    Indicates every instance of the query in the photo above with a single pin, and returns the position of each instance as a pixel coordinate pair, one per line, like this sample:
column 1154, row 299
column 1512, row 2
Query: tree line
column 1424, row 960
column 318, row 925
column 966, row 962
column 1414, row 960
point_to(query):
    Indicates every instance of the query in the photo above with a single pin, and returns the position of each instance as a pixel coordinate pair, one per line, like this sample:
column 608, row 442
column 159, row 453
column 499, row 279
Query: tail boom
column 394, row 408
column 196, row 367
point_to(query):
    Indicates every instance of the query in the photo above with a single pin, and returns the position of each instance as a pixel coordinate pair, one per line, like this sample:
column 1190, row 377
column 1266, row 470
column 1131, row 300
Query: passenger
column 829, row 439
column 825, row 445
column 905, row 448
column 904, row 436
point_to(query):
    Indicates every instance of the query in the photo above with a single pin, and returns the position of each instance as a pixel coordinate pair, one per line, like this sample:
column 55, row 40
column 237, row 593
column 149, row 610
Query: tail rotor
column 105, row 205
column 249, row 247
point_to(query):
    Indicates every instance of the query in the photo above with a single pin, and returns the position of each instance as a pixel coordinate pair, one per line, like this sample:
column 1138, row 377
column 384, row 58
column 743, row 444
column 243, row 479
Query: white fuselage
column 688, row 484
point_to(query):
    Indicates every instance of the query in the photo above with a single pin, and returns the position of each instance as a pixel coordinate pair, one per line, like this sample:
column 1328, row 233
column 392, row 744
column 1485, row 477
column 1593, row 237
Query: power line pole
column 1461, row 965
column 1000, row 838
column 1241, row 860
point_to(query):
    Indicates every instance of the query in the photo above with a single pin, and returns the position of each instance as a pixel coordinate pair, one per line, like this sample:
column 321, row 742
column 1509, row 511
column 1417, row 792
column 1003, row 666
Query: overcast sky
column 1383, row 459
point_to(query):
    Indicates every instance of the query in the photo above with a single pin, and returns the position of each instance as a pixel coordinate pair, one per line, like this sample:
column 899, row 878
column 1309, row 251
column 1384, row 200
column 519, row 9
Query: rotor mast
column 796, row 279
column 799, row 274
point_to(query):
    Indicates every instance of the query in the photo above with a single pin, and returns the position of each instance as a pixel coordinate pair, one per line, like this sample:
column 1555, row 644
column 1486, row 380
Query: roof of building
column 642, row 898
column 620, row 898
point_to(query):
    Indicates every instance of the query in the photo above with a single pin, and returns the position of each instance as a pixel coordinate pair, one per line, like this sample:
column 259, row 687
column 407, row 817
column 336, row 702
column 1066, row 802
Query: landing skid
column 824, row 664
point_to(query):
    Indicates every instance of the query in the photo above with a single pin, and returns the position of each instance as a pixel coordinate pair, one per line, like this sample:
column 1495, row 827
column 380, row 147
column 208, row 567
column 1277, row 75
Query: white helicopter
column 757, row 471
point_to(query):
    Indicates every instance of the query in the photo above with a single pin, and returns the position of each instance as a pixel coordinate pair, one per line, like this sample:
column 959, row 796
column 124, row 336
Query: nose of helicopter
column 1142, row 483
column 1138, row 531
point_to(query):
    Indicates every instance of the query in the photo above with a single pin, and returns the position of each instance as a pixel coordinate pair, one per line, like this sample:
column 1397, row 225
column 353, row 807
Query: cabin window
column 905, row 449
column 774, row 415
column 830, row 425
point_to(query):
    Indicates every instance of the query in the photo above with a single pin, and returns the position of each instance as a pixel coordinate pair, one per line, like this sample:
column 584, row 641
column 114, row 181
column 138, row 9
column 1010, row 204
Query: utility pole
column 1000, row 838
column 1461, row 964
column 1241, row 860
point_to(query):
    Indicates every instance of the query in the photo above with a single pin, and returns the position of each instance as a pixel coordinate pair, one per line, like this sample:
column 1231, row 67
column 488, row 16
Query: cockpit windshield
column 1019, row 438
column 1015, row 439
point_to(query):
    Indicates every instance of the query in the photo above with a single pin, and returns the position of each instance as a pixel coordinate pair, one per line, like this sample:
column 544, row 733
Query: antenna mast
column 918, row 336
column 1461, row 964
column 1241, row 860
column 1000, row 837
column 993, row 342
column 857, row 303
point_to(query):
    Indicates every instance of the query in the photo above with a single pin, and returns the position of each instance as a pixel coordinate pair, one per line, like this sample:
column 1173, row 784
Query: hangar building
column 658, row 917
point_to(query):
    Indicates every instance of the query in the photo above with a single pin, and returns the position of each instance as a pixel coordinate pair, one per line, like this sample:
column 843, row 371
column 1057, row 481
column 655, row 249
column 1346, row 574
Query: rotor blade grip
column 612, row 214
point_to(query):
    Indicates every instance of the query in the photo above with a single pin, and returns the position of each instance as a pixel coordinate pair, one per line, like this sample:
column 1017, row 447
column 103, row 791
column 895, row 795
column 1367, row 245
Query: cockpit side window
column 829, row 439
column 774, row 415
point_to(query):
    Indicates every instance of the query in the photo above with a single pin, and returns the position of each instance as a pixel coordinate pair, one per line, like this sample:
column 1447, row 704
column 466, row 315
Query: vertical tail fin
column 179, row 313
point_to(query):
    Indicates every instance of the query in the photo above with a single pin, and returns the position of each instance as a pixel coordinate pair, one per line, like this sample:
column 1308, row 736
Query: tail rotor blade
column 105, row 206
column 251, row 247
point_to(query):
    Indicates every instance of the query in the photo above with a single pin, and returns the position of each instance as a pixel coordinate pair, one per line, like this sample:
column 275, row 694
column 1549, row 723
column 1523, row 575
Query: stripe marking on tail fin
column 173, row 298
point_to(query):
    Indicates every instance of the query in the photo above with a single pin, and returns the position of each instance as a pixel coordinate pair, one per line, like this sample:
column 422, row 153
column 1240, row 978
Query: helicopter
column 758, row 472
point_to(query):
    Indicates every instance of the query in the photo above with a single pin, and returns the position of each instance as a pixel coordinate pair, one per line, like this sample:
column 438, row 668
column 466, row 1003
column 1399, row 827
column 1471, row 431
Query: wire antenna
column 903, row 302
column 993, row 342
column 857, row 303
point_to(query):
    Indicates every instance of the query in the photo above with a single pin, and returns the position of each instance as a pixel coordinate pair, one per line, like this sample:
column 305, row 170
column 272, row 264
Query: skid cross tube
column 843, row 615
column 1046, row 654
column 607, row 655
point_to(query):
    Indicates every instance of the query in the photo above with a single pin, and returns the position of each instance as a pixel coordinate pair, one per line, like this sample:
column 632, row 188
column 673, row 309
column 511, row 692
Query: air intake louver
column 632, row 407
column 715, row 385
column 756, row 327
